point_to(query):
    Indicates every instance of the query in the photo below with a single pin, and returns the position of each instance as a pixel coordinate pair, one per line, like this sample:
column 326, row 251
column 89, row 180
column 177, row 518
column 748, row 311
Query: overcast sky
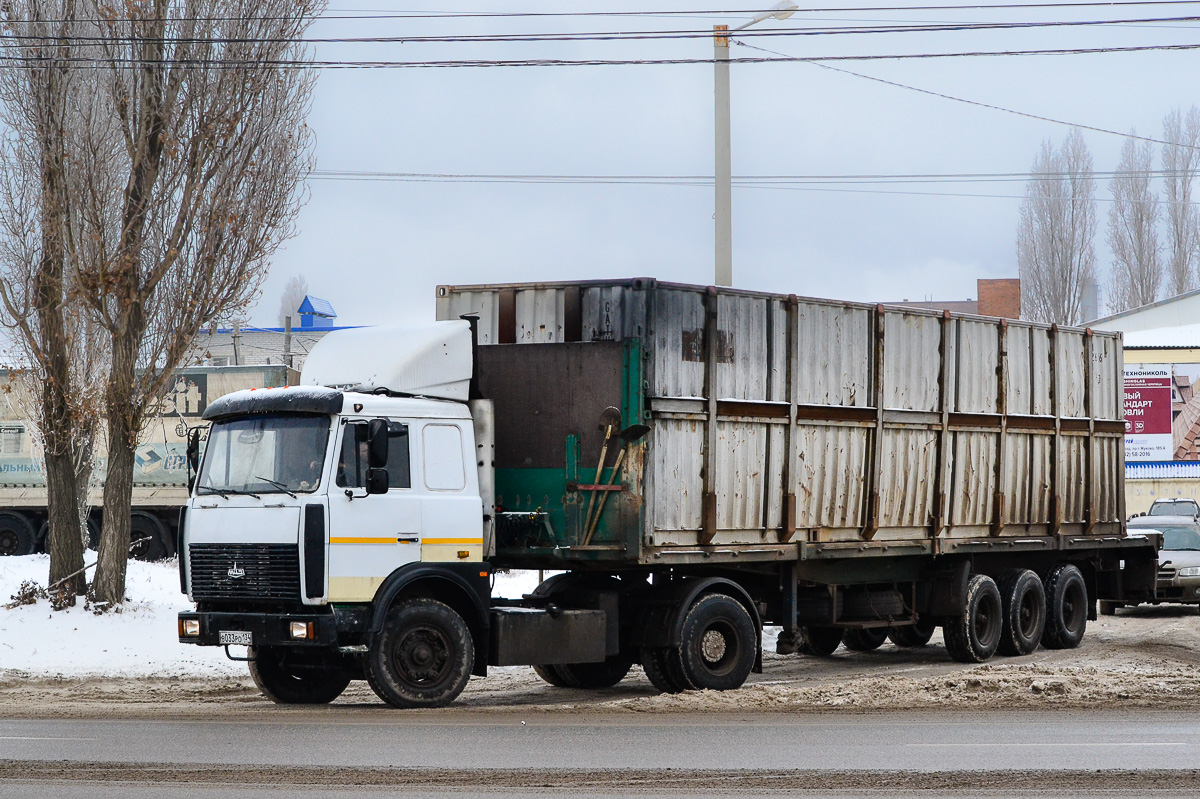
column 377, row 248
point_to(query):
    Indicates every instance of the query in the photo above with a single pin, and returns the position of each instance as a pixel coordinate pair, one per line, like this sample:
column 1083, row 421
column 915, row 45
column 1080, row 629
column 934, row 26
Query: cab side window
column 352, row 456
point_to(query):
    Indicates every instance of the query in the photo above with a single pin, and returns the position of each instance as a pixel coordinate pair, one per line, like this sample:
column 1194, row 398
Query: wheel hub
column 422, row 655
column 712, row 646
column 8, row 542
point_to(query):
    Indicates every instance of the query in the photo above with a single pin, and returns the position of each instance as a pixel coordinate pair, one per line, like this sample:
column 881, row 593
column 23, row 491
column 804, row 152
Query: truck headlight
column 1190, row 571
column 302, row 630
column 189, row 628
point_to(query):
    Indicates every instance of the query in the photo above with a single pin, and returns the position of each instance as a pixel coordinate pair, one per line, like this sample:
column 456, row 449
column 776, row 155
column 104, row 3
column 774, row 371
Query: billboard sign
column 1148, row 412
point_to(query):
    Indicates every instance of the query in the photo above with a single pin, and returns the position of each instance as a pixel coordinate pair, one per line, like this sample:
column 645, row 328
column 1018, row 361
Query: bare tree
column 293, row 295
column 40, row 98
column 1056, row 256
column 208, row 100
column 1137, row 270
column 1180, row 163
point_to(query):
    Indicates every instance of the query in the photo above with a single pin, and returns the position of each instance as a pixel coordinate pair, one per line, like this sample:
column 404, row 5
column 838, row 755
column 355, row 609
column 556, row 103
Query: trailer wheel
column 974, row 636
column 820, row 641
column 1066, row 607
column 286, row 679
column 654, row 662
column 1109, row 608
column 865, row 639
column 1024, row 602
column 718, row 643
column 550, row 675
column 16, row 534
column 595, row 675
column 422, row 657
column 145, row 526
column 911, row 635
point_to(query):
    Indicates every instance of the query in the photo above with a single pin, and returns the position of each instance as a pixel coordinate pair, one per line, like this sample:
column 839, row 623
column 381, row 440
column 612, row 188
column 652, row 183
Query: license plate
column 237, row 637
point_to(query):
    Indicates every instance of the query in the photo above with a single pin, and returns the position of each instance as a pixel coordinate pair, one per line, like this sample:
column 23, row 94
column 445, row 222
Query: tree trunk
column 64, row 542
column 124, row 420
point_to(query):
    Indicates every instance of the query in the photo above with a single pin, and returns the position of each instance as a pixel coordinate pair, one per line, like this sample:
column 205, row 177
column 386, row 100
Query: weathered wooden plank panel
column 906, row 487
column 911, row 362
column 830, row 476
column 976, row 356
column 676, row 457
column 972, row 478
column 741, row 475
column 1070, row 363
column 833, row 355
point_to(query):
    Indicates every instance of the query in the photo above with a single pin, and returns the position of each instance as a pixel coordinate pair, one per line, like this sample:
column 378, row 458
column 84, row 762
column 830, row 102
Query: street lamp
column 724, row 168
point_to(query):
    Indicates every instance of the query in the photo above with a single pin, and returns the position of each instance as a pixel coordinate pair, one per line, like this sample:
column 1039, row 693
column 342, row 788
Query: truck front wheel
column 423, row 656
column 295, row 678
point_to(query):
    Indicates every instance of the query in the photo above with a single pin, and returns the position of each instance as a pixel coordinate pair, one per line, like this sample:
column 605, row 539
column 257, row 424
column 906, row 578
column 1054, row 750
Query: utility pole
column 724, row 167
column 237, row 342
column 287, row 341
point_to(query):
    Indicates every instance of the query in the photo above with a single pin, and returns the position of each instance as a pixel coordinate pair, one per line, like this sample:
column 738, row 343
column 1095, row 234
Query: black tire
column 718, row 643
column 1024, row 602
column 93, row 528
column 820, row 641
column 145, row 526
column 594, row 675
column 974, row 636
column 912, row 635
column 16, row 534
column 1066, row 607
column 654, row 662
column 549, row 674
column 867, row 604
column 423, row 656
column 1108, row 608
column 291, row 677
column 866, row 639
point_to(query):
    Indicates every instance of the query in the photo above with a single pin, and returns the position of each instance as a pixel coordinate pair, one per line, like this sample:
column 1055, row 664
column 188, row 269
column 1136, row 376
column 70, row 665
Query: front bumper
column 1178, row 589
column 266, row 629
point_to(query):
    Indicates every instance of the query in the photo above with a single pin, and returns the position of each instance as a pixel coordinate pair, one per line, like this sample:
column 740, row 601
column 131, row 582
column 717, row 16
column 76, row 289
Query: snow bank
column 140, row 641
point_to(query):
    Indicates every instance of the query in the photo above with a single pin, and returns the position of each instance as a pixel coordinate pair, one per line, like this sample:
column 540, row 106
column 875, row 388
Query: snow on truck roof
column 428, row 360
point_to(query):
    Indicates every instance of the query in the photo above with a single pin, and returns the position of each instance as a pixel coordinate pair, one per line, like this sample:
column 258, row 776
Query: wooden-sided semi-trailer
column 698, row 462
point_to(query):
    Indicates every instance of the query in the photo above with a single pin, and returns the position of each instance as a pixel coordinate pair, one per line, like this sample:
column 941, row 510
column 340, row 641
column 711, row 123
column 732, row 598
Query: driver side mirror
column 377, row 456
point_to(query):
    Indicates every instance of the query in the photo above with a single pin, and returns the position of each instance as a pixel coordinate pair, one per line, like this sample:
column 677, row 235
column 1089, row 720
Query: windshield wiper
column 281, row 486
column 211, row 490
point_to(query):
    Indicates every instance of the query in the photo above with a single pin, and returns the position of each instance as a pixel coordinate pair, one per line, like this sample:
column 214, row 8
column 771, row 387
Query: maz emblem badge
column 235, row 573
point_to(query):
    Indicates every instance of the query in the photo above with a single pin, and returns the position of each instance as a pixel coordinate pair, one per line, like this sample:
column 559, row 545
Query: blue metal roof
column 1174, row 470
column 317, row 306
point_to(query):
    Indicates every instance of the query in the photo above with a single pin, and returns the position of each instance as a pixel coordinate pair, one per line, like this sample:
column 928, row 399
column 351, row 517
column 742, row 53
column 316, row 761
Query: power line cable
column 976, row 102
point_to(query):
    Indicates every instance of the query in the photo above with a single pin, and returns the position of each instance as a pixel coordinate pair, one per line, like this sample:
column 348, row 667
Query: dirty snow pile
column 139, row 641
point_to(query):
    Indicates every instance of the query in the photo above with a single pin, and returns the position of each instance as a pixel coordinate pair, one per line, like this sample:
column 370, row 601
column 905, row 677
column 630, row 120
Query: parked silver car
column 1174, row 507
column 1178, row 560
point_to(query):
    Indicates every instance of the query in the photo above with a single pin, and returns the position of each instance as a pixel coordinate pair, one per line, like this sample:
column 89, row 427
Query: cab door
column 370, row 535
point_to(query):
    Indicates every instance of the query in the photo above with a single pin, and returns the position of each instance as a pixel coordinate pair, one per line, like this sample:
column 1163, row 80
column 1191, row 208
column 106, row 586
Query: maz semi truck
column 695, row 462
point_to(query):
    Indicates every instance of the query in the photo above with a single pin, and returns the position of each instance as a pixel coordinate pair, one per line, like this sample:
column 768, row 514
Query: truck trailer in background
column 695, row 461
column 160, row 474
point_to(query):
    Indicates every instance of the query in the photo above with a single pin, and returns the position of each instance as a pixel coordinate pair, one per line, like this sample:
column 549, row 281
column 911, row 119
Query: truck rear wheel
column 866, row 639
column 1066, row 607
column 423, row 656
column 550, row 675
column 16, row 534
column 1024, row 601
column 718, row 643
column 669, row 680
column 295, row 678
column 911, row 635
column 973, row 636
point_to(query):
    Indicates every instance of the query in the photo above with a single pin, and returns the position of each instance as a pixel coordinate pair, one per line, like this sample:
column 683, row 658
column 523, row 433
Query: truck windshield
column 264, row 455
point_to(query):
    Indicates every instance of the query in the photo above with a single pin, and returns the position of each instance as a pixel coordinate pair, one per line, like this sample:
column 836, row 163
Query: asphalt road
column 332, row 752
column 922, row 741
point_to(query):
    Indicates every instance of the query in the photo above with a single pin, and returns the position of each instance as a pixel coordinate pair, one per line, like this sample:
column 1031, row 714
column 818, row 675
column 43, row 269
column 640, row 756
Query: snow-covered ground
column 139, row 641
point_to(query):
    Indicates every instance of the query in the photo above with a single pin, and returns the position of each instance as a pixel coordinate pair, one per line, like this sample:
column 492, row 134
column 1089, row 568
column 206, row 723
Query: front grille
column 259, row 571
column 1166, row 573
